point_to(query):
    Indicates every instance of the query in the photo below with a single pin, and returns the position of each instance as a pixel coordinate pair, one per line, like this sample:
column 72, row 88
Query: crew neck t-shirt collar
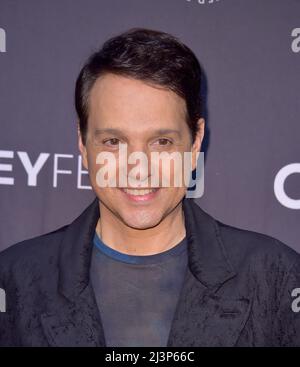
column 139, row 259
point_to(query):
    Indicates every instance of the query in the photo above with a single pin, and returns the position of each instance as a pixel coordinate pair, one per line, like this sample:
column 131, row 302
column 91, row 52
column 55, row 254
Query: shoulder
column 37, row 252
column 242, row 244
column 255, row 248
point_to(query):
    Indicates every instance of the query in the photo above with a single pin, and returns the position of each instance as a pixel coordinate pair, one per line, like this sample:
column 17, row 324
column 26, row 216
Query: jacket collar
column 207, row 257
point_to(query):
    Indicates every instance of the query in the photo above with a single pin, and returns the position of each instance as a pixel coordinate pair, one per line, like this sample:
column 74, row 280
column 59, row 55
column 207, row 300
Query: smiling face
column 147, row 119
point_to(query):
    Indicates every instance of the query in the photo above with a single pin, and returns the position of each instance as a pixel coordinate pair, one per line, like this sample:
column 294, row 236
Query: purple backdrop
column 250, row 51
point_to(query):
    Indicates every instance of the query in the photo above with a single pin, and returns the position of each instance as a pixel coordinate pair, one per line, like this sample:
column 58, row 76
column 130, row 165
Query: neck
column 117, row 235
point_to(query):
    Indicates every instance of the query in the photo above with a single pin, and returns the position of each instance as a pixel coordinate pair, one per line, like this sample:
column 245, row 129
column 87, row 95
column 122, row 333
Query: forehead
column 115, row 98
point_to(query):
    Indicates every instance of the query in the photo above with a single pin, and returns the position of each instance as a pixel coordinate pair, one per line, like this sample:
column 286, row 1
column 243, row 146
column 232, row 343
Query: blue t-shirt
column 137, row 295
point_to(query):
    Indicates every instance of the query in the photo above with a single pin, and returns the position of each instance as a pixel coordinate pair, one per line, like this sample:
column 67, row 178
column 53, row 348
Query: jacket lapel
column 73, row 318
column 71, row 324
column 202, row 318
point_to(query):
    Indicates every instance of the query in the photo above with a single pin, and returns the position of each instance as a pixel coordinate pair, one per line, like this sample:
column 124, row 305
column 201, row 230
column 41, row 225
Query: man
column 144, row 265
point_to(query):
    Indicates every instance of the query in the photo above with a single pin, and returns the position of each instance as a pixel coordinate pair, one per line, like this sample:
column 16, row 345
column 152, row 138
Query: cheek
column 176, row 174
column 170, row 196
column 92, row 172
column 90, row 158
column 92, row 168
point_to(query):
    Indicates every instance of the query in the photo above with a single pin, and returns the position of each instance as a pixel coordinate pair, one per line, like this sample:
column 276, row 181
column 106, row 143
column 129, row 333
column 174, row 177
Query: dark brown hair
column 151, row 56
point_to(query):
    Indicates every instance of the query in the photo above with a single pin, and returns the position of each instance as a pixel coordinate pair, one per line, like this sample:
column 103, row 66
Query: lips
column 140, row 195
column 137, row 192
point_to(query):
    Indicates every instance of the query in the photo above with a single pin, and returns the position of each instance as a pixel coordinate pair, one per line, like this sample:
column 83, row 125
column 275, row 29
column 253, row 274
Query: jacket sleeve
column 287, row 320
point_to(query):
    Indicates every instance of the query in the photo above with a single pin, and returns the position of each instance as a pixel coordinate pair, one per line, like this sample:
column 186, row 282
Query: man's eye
column 112, row 141
column 163, row 141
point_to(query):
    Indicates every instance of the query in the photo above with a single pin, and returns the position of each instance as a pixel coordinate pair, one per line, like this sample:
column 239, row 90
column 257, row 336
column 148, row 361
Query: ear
column 198, row 141
column 82, row 149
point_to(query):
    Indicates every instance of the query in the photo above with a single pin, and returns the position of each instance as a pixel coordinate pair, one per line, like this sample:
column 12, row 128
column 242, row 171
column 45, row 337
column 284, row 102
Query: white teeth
column 138, row 192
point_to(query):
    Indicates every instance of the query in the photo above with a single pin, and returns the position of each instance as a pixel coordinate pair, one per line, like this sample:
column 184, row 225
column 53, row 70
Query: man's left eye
column 163, row 141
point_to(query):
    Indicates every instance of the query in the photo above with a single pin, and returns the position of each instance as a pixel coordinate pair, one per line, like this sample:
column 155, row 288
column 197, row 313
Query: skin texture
column 137, row 111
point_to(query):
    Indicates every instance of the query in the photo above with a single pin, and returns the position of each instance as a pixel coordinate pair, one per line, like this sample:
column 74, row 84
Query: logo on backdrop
column 204, row 2
column 296, row 40
column 279, row 182
column 2, row 40
column 107, row 174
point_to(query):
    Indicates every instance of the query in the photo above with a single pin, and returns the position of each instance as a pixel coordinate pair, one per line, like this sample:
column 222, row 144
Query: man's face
column 147, row 119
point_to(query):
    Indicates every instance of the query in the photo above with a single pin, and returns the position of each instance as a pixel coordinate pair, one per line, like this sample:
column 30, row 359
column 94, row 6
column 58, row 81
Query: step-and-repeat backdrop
column 250, row 52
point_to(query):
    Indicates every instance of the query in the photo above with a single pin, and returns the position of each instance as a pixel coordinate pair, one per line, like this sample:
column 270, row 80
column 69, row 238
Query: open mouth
column 140, row 194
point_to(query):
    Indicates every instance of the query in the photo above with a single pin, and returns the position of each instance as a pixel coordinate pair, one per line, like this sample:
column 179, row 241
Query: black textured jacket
column 237, row 289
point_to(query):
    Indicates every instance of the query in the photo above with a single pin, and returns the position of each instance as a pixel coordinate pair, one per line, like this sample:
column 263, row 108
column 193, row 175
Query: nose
column 138, row 166
column 135, row 165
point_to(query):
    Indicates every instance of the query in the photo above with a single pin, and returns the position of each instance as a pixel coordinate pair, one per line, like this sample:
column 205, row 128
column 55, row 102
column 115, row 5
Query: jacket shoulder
column 30, row 251
column 244, row 245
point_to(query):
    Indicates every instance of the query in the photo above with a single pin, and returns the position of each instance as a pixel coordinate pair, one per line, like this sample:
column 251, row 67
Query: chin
column 141, row 223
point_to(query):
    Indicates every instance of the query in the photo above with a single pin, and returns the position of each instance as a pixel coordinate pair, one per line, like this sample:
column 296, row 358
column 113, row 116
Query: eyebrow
column 121, row 132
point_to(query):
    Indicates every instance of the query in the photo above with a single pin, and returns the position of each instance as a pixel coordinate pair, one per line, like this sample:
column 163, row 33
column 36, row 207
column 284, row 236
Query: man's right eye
column 111, row 142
